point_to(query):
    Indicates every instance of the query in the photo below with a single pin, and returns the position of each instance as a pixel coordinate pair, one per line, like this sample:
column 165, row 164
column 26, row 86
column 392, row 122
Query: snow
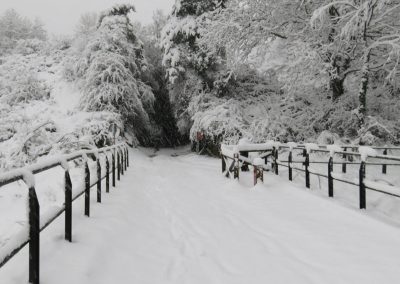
column 167, row 223
column 310, row 147
column 382, row 187
column 333, row 149
column 256, row 147
column 291, row 145
column 258, row 162
column 25, row 173
column 17, row 240
column 244, row 141
column 64, row 164
column 367, row 152
column 229, row 151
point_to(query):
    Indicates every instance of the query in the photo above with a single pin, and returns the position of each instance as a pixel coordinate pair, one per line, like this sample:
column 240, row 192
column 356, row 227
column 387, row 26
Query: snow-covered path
column 177, row 220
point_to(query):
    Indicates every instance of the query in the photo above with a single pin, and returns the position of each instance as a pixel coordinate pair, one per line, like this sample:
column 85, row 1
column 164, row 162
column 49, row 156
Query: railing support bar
column 98, row 180
column 107, row 174
column 87, row 190
column 330, row 178
column 68, row 207
column 362, row 186
column 34, row 237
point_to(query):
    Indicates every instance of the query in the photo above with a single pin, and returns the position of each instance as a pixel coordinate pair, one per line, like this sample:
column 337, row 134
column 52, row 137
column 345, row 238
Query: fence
column 239, row 154
column 119, row 163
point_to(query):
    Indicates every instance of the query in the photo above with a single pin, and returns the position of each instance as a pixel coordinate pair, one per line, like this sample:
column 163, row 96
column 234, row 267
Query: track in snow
column 177, row 220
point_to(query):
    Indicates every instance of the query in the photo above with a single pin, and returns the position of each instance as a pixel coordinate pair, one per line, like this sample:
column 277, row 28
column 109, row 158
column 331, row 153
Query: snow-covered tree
column 14, row 28
column 192, row 67
column 182, row 50
column 371, row 28
column 87, row 24
column 111, row 68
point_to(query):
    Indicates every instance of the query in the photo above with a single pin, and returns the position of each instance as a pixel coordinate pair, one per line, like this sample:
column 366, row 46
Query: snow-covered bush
column 97, row 126
column 19, row 83
column 28, row 144
column 61, row 42
column 221, row 121
column 327, row 138
column 29, row 46
column 14, row 28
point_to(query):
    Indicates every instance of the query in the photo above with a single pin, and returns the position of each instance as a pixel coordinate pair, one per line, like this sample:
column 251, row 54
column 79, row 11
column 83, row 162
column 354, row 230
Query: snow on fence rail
column 239, row 154
column 119, row 163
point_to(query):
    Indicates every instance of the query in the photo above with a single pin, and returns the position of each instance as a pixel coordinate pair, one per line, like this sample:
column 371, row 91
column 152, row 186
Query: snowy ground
column 177, row 220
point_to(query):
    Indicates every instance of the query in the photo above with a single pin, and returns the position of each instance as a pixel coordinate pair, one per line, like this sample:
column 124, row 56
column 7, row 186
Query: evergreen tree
column 112, row 68
column 192, row 67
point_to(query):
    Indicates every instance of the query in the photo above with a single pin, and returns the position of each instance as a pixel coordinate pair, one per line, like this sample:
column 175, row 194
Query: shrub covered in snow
column 23, row 87
column 221, row 122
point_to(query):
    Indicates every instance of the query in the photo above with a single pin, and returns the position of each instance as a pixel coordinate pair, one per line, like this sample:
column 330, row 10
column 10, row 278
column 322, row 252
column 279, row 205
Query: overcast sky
column 61, row 16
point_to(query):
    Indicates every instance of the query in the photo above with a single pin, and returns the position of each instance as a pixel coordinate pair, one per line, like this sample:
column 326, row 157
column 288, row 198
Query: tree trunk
column 362, row 95
column 337, row 88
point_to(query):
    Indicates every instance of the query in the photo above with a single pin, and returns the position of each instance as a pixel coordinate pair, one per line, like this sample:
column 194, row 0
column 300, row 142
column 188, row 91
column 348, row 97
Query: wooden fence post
column 122, row 162
column 384, row 167
column 344, row 165
column 258, row 172
column 307, row 171
column 276, row 160
column 236, row 167
column 34, row 237
column 113, row 169
column 118, row 166
column 362, row 186
column 290, row 160
column 127, row 157
column 87, row 189
column 68, row 207
column 107, row 174
column 330, row 178
column 245, row 166
column 98, row 180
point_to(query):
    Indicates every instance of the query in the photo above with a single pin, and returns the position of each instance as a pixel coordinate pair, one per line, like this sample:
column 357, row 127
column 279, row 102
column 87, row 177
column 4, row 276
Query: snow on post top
column 291, row 145
column 85, row 158
column 333, row 149
column 366, row 152
column 25, row 173
column 64, row 164
column 273, row 143
column 310, row 147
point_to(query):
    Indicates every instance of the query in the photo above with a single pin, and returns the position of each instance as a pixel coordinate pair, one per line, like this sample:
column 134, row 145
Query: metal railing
column 115, row 166
column 270, row 152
